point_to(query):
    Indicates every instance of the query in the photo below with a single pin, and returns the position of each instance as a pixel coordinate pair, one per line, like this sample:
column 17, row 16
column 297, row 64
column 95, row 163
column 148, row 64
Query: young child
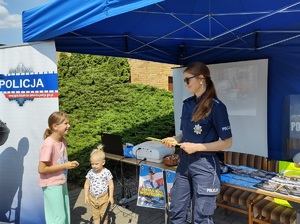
column 99, row 186
column 53, row 166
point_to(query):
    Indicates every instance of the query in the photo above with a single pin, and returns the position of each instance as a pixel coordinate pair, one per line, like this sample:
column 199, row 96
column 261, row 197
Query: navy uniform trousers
column 197, row 179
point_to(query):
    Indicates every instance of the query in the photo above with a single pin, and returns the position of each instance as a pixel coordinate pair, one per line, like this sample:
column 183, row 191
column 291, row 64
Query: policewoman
column 205, row 130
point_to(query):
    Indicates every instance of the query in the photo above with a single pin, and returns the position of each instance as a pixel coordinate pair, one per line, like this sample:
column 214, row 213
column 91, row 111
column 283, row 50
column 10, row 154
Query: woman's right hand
column 169, row 142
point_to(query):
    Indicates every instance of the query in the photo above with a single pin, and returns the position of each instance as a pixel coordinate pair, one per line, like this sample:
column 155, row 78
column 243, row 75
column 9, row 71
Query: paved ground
column 130, row 213
column 80, row 214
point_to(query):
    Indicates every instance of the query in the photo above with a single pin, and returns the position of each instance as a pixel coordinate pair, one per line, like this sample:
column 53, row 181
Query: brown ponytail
column 204, row 107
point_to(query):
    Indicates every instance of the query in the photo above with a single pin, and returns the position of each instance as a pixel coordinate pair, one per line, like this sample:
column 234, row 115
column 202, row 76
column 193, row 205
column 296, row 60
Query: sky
column 11, row 19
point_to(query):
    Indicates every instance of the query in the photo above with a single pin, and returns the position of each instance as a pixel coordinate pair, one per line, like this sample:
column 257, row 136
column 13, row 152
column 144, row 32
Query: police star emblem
column 197, row 129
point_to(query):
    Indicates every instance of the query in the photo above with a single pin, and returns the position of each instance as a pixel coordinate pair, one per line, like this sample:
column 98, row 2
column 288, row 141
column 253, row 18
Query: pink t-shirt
column 55, row 153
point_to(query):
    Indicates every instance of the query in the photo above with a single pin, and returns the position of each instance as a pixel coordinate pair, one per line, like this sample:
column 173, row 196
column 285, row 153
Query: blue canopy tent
column 179, row 32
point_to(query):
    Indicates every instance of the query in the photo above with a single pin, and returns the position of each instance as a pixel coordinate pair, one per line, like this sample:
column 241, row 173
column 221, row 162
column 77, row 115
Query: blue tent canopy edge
column 179, row 32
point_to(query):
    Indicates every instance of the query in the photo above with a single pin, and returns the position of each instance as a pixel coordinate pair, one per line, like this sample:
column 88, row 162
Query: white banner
column 28, row 95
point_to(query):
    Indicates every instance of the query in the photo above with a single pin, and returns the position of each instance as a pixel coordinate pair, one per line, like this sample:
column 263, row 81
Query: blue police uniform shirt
column 213, row 127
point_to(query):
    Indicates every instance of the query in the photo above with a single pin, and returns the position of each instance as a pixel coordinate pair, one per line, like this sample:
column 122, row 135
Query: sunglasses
column 187, row 80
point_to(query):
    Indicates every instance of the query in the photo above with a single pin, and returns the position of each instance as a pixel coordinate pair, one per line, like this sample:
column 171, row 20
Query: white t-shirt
column 99, row 181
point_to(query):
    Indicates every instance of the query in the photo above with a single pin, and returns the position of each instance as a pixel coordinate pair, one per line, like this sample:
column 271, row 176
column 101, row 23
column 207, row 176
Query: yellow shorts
column 99, row 205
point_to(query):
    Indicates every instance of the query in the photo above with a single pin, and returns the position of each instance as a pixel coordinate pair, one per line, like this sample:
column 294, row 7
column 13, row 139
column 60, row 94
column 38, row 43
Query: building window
column 170, row 83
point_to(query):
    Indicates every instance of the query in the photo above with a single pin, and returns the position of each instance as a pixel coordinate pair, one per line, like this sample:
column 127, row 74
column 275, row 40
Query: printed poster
column 151, row 190
column 28, row 95
column 170, row 177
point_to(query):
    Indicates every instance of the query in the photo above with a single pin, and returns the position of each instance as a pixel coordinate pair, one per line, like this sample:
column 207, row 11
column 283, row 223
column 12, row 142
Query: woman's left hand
column 189, row 148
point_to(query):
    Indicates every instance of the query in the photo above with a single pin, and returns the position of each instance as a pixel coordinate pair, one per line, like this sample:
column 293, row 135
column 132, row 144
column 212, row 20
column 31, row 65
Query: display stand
column 291, row 127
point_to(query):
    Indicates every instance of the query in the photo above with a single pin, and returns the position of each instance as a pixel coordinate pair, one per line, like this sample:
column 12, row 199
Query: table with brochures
column 242, row 177
column 266, row 183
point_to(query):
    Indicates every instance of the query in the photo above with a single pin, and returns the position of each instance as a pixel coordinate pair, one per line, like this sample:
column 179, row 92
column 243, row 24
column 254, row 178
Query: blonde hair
column 98, row 152
column 55, row 118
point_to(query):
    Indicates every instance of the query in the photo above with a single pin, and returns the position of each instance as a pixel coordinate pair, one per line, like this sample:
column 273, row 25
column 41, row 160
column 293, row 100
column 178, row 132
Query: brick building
column 152, row 73
column 155, row 74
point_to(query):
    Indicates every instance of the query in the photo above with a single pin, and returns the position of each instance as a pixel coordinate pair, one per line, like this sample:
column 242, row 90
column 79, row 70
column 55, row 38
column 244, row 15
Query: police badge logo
column 198, row 129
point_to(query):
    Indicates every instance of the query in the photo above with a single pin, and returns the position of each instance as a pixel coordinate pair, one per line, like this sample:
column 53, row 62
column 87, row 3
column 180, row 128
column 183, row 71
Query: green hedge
column 97, row 94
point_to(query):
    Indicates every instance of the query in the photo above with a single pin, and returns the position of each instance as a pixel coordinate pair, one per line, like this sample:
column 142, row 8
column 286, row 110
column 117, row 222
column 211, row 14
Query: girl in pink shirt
column 53, row 166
